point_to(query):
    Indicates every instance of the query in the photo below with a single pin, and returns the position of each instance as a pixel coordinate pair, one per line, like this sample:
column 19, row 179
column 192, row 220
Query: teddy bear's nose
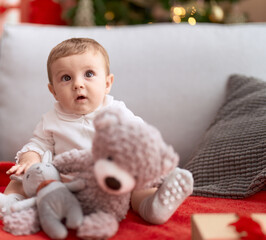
column 112, row 183
column 112, row 178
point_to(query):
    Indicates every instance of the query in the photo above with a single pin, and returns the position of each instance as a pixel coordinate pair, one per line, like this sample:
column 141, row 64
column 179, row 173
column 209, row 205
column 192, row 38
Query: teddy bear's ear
column 109, row 117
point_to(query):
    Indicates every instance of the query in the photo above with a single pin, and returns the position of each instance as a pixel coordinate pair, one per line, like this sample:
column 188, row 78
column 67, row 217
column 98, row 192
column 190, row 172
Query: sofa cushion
column 231, row 160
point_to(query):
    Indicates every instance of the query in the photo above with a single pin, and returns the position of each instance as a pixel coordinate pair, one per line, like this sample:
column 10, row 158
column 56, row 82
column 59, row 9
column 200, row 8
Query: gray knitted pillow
column 230, row 162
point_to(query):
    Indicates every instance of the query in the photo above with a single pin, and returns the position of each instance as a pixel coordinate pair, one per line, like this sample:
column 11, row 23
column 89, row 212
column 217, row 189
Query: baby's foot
column 6, row 201
column 158, row 208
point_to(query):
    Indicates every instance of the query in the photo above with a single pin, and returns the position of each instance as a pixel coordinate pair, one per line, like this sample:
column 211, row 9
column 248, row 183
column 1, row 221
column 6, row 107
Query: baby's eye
column 89, row 74
column 66, row 78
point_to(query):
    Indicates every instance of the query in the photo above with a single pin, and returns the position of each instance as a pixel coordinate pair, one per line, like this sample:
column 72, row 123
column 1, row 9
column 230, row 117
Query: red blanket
column 178, row 227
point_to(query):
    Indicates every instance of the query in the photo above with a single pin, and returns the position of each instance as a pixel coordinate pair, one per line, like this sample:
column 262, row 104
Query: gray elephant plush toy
column 54, row 200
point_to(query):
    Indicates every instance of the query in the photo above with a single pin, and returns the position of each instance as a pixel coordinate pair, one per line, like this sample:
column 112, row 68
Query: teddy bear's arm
column 73, row 161
column 76, row 185
column 20, row 205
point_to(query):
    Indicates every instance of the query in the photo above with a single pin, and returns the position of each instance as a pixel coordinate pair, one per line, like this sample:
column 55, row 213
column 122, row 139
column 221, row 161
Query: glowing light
column 193, row 10
column 176, row 19
column 109, row 15
column 180, row 11
column 192, row 21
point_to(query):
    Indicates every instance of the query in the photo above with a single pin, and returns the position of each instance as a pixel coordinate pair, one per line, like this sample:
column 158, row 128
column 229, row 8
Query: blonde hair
column 75, row 46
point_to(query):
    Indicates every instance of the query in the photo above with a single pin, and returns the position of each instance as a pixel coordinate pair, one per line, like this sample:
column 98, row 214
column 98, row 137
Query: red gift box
column 228, row 226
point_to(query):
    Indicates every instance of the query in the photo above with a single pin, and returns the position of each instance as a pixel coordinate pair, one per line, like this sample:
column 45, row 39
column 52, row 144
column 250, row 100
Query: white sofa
column 172, row 75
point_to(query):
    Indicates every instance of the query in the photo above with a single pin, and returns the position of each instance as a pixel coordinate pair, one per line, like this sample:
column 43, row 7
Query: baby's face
column 80, row 82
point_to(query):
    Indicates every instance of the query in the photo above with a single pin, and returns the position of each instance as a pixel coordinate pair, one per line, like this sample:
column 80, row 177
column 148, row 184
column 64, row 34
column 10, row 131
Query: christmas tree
column 129, row 12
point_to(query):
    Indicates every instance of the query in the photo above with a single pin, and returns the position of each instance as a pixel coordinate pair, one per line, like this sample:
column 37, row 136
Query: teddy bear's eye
column 109, row 158
column 28, row 175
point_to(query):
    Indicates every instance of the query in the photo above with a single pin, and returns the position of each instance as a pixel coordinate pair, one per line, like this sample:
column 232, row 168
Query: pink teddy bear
column 126, row 155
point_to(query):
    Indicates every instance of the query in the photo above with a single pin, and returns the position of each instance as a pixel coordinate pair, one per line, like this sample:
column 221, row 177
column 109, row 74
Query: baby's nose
column 78, row 83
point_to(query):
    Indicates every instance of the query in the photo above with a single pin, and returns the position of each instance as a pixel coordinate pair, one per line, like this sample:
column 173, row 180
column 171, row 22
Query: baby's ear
column 109, row 83
column 16, row 177
column 51, row 89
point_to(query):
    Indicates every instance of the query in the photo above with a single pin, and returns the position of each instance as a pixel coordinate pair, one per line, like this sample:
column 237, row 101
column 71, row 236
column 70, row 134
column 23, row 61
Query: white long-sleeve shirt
column 59, row 131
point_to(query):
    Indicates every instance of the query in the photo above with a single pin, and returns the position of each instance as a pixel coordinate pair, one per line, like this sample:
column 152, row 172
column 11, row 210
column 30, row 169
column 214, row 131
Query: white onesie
column 59, row 131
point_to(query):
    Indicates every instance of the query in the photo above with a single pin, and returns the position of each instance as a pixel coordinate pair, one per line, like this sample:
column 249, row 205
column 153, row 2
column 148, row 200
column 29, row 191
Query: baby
column 80, row 81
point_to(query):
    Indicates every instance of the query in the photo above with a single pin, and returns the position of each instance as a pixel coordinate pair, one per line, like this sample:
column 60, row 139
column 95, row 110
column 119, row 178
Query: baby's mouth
column 81, row 98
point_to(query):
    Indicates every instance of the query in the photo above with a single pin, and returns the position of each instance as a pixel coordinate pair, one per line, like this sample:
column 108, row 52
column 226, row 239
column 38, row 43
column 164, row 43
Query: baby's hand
column 26, row 160
column 17, row 169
